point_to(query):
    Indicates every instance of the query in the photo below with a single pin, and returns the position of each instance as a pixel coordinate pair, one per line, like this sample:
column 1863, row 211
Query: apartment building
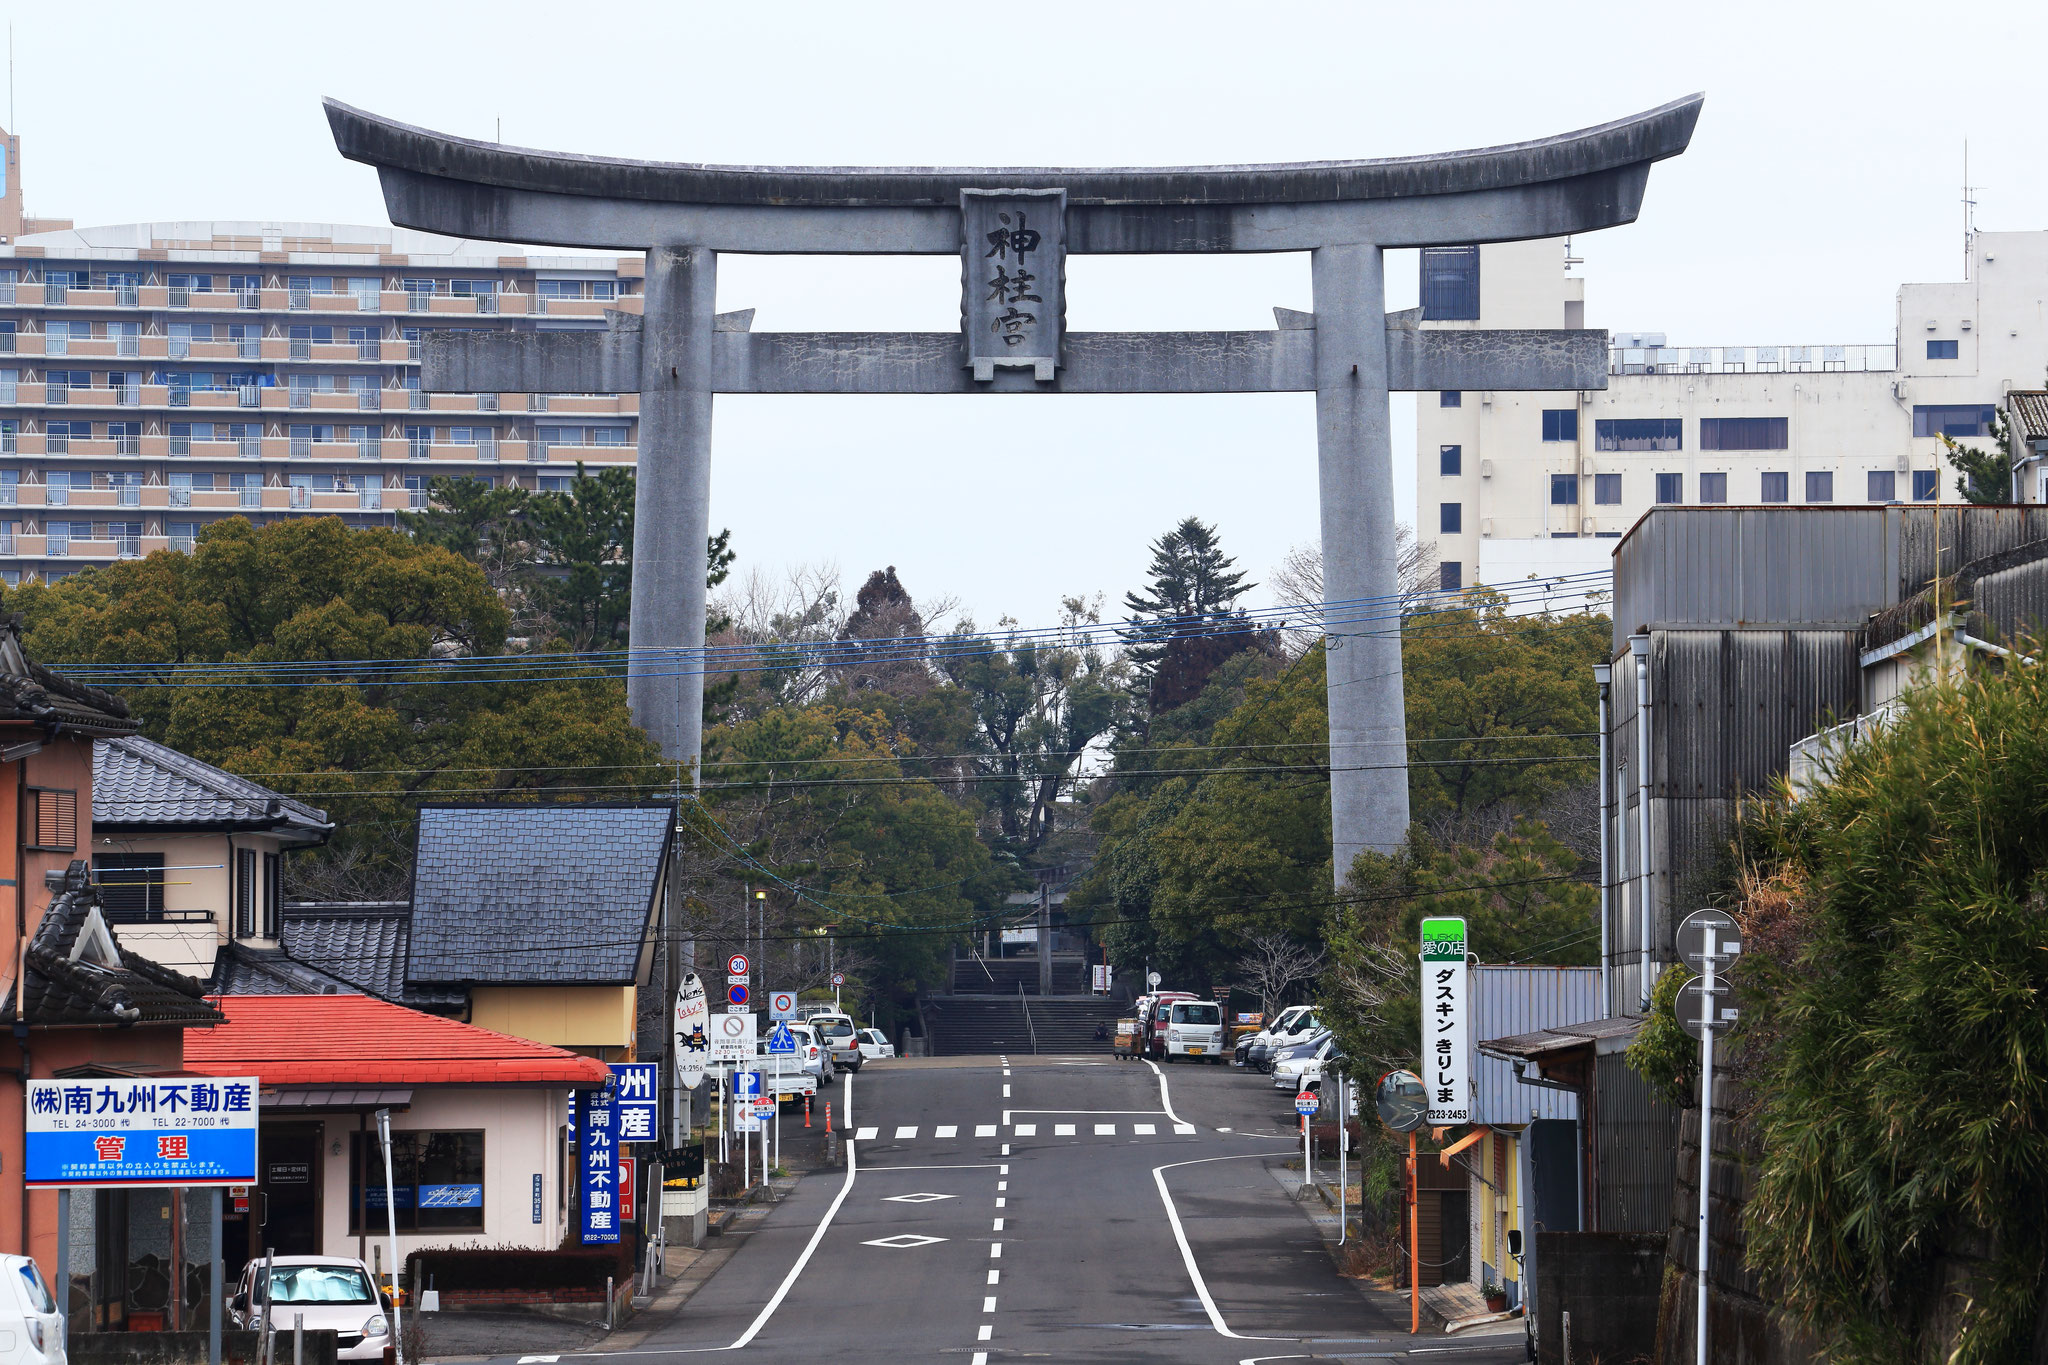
column 1515, row 485
column 155, row 377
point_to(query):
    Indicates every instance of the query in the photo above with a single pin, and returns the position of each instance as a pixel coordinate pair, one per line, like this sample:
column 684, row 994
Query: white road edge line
column 1164, row 1099
column 1187, row 1253
column 818, row 1235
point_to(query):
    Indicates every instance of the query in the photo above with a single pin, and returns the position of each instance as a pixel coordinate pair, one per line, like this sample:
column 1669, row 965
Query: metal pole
column 214, row 1288
column 1706, row 1127
column 1414, row 1246
column 1307, row 1169
column 1639, row 645
column 63, row 1266
column 391, row 1225
column 1603, row 674
column 298, row 1339
column 1343, row 1141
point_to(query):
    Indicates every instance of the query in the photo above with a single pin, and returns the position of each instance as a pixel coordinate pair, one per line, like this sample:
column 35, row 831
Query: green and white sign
column 1446, row 1008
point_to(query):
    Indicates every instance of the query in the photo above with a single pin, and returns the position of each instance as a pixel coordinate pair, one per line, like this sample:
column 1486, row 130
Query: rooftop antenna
column 1969, row 209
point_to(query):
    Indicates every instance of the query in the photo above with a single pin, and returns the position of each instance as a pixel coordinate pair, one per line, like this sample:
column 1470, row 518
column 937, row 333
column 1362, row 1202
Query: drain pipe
column 1603, row 674
column 1639, row 645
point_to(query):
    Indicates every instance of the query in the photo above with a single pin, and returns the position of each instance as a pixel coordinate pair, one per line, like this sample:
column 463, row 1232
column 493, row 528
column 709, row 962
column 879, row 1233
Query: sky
column 1827, row 169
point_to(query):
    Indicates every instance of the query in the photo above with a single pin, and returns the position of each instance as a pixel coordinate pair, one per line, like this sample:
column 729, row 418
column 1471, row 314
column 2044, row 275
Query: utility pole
column 1044, row 937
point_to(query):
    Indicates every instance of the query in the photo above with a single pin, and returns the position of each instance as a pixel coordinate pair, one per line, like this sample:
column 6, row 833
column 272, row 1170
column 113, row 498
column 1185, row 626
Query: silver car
column 837, row 1033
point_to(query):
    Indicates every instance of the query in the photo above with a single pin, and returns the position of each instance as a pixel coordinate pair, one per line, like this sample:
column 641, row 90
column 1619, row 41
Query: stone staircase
column 976, row 1025
column 1068, row 1025
column 1002, row 975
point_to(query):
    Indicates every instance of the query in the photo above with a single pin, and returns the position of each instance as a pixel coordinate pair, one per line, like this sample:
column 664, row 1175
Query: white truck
column 1194, row 1030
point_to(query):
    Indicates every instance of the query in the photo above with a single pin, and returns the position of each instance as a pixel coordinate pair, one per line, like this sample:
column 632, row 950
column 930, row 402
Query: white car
column 331, row 1293
column 1194, row 1030
column 873, row 1046
column 31, row 1333
column 836, row 1032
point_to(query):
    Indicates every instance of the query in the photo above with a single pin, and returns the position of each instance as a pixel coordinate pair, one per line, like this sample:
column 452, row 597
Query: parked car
column 330, row 1293
column 1291, row 1025
column 28, row 1316
column 1152, row 1014
column 840, row 1037
column 1194, row 1030
column 873, row 1046
column 802, row 1073
column 1290, row 1064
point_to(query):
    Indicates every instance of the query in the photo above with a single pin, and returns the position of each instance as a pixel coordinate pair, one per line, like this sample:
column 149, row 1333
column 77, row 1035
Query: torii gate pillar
column 1012, row 229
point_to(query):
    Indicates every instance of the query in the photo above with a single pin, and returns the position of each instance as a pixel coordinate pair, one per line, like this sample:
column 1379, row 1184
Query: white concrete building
column 1515, row 485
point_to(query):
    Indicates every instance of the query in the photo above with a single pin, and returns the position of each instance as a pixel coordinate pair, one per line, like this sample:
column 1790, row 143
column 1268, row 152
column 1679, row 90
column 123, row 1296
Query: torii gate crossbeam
column 1012, row 228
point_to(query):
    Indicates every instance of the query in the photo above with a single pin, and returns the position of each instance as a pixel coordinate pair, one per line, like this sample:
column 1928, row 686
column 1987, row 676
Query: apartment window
column 10, row 487
column 437, row 1180
column 57, row 493
column 1714, row 488
column 415, row 491
column 1450, row 575
column 1450, row 398
column 181, row 490
column 1564, row 490
column 1777, row 488
column 1882, row 485
column 1560, row 424
column 1671, row 488
column 1941, row 350
column 1450, row 518
column 183, row 535
column 419, row 442
column 608, row 436
column 245, row 893
column 1450, row 460
column 7, row 530
column 1639, row 433
column 555, row 483
column 1820, row 485
column 1450, row 283
column 1964, row 419
column 131, row 886
column 53, row 820
column 1745, row 433
column 1926, row 482
column 1607, row 490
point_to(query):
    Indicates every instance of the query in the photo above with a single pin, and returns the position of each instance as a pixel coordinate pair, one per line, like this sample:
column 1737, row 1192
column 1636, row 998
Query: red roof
column 355, row 1040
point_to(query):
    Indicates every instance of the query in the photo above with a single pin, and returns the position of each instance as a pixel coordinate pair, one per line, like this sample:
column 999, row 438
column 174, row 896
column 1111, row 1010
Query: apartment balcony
column 77, row 347
column 30, row 547
column 574, row 308
column 558, row 453
column 28, row 296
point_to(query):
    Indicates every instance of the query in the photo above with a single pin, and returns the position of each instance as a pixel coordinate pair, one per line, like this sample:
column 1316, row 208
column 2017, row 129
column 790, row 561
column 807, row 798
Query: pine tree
column 1186, row 626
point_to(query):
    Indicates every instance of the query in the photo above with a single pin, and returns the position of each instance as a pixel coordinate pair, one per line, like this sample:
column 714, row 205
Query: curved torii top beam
column 385, row 143
column 1588, row 179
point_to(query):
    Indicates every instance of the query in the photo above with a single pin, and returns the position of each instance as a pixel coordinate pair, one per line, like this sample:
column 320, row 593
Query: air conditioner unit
column 1900, row 390
column 1932, row 324
column 1966, row 324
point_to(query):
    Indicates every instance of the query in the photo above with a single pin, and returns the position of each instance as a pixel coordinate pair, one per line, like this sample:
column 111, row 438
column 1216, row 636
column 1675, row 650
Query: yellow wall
column 579, row 1017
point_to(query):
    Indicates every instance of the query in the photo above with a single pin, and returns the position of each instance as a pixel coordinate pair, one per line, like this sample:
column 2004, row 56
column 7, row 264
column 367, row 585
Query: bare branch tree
column 1298, row 579
column 1275, row 964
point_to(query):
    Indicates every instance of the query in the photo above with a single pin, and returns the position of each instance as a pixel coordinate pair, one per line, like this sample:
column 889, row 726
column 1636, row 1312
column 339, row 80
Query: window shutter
column 56, row 820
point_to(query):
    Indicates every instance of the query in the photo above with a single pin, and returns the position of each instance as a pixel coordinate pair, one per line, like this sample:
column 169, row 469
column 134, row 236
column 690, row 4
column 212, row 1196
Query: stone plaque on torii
column 1013, row 229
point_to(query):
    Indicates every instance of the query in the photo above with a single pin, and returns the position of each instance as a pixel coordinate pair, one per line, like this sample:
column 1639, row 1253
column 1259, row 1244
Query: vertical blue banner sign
column 600, row 1165
column 636, row 1100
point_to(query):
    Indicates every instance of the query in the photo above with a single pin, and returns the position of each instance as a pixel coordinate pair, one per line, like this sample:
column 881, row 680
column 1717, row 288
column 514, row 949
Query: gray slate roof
column 530, row 894
column 140, row 784
column 242, row 970
column 363, row 943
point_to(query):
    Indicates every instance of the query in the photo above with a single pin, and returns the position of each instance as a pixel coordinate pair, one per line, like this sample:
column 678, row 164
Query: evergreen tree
column 1985, row 476
column 1192, row 596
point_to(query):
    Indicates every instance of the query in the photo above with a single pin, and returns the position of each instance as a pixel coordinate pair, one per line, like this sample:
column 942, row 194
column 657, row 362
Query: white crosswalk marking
column 1184, row 1129
column 984, row 1130
column 1105, row 1130
column 868, row 1134
column 1063, row 1130
column 987, row 1331
column 1143, row 1129
column 1025, row 1130
column 945, row 1130
column 912, row 1132
column 999, row 1225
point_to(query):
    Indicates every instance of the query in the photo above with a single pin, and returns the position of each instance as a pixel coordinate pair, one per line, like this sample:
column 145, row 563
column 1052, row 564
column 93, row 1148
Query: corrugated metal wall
column 1636, row 1135
column 1803, row 567
column 1511, row 1000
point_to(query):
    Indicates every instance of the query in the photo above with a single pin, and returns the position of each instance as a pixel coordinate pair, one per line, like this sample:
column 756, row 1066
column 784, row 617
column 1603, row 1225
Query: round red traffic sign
column 736, row 965
column 736, row 994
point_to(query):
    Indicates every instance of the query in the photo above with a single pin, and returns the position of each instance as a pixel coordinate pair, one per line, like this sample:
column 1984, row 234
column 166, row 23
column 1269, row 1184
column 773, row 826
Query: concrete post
column 1355, row 463
column 1045, row 938
column 672, row 507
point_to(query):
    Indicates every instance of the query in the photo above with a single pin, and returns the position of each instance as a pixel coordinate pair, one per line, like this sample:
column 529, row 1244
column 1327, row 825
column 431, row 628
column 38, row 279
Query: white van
column 1194, row 1028
column 31, row 1333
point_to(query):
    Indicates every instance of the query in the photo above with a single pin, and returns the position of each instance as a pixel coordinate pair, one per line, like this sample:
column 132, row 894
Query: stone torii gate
column 1012, row 229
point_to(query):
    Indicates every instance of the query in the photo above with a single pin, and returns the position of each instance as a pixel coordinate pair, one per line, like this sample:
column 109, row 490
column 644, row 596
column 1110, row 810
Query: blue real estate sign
column 103, row 1131
column 600, row 1166
column 636, row 1100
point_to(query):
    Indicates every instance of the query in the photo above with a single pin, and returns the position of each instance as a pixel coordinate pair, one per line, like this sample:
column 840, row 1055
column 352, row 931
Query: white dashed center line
column 1000, row 1201
column 995, row 1277
column 988, row 1305
column 995, row 1251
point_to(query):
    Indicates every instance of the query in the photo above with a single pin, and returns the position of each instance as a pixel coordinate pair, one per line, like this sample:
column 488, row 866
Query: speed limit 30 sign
column 736, row 965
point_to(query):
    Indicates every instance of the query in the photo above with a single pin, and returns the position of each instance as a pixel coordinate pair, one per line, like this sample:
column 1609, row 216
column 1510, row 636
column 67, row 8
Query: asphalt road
column 1073, row 1211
